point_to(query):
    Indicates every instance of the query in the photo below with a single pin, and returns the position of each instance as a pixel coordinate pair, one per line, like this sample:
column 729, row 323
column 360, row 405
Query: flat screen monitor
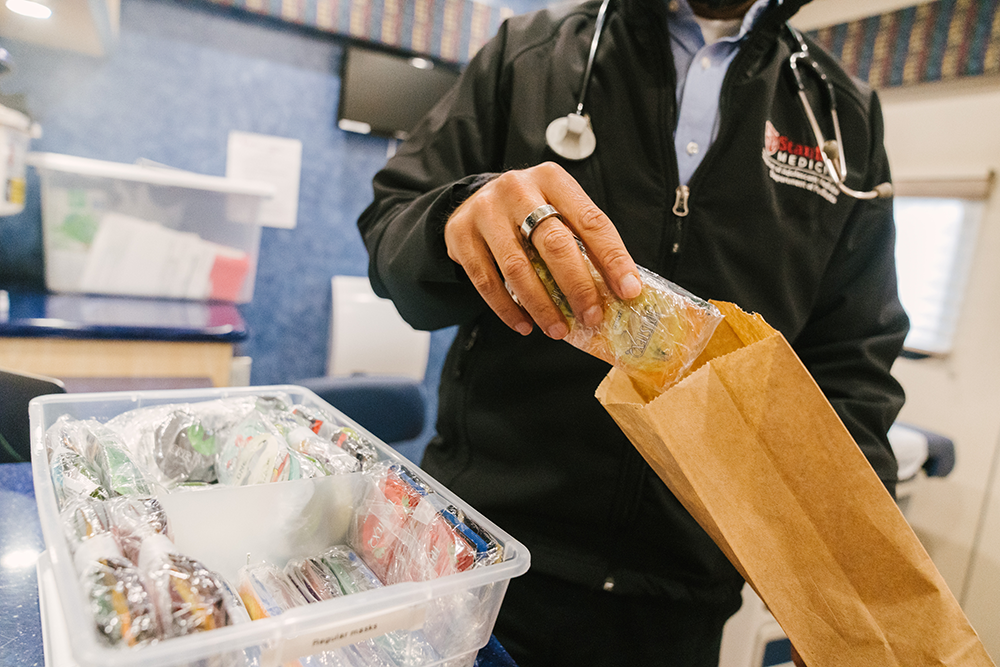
column 387, row 93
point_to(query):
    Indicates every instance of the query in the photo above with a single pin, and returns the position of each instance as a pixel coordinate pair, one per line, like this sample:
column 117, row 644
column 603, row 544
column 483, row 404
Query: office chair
column 16, row 390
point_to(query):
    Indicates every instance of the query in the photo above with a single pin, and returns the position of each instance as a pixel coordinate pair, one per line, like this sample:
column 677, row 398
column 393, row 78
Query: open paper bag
column 752, row 448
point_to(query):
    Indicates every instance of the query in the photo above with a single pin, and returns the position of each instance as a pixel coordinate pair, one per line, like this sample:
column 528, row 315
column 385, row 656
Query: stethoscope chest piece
column 571, row 136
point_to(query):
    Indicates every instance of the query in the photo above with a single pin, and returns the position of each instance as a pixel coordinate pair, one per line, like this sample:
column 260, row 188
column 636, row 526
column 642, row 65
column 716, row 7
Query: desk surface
column 25, row 313
column 20, row 544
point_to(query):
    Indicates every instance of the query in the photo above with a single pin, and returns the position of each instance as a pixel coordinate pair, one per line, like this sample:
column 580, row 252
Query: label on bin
column 345, row 633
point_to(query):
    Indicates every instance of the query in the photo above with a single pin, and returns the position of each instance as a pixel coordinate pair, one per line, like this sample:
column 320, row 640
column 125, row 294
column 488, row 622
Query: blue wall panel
column 180, row 79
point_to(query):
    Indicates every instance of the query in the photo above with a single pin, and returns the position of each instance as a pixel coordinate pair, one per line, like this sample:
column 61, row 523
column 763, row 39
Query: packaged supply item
column 654, row 338
column 314, row 581
column 488, row 549
column 430, row 546
column 133, row 519
column 189, row 597
column 72, row 473
column 266, row 591
column 329, row 455
column 71, row 476
column 342, row 436
column 120, row 602
column 390, row 496
column 348, row 571
column 178, row 443
column 235, row 609
column 104, row 453
column 84, row 517
column 255, row 453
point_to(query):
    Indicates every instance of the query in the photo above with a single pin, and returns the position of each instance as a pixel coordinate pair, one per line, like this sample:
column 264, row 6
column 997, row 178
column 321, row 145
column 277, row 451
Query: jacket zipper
column 680, row 211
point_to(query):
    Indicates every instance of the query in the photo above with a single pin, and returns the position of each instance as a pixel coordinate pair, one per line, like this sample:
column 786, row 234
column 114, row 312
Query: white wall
column 948, row 129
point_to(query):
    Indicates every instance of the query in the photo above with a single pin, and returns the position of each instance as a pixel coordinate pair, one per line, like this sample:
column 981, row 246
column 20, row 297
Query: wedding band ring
column 535, row 218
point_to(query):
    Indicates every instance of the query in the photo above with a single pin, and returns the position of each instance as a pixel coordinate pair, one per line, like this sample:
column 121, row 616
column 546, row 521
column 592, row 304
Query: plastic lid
column 147, row 174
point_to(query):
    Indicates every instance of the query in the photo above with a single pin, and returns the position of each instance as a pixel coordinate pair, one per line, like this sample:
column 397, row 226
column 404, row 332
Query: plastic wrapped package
column 346, row 570
column 72, row 476
column 387, row 500
column 430, row 546
column 405, row 532
column 266, row 591
column 132, row 519
column 190, row 598
column 654, row 338
column 84, row 517
column 332, row 458
column 104, row 453
column 256, row 453
column 342, row 436
column 488, row 549
column 177, row 443
column 312, row 579
column 120, row 602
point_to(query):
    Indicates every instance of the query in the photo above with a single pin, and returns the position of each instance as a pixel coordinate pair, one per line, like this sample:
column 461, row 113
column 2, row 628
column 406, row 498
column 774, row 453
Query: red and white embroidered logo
column 795, row 164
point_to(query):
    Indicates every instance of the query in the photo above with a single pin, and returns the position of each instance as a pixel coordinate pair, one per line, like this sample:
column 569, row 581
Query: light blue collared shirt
column 700, row 71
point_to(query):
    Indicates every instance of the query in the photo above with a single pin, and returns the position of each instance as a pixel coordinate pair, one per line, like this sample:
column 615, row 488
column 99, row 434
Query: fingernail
column 630, row 286
column 558, row 331
column 593, row 316
column 523, row 328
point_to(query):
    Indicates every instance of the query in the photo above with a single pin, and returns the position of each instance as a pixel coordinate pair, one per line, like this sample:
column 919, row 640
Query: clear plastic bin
column 455, row 613
column 112, row 228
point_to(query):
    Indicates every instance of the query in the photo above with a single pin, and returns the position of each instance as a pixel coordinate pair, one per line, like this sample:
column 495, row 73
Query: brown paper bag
column 752, row 448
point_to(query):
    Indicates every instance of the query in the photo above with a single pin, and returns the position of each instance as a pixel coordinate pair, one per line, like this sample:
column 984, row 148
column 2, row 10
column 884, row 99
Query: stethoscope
column 830, row 149
column 572, row 136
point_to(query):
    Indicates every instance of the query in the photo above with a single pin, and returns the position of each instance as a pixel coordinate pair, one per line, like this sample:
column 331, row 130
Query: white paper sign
column 275, row 160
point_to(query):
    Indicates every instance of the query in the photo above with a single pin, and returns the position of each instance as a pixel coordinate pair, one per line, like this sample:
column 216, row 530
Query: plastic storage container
column 112, row 228
column 455, row 613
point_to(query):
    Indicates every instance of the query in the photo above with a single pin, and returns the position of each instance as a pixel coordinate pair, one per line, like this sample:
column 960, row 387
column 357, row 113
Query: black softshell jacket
column 521, row 435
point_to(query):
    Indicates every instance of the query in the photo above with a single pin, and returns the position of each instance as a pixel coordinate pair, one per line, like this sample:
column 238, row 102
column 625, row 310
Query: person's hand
column 483, row 235
column 797, row 659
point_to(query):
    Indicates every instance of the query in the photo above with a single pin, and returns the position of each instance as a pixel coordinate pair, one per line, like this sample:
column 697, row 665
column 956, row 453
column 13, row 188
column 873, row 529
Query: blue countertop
column 20, row 544
column 27, row 313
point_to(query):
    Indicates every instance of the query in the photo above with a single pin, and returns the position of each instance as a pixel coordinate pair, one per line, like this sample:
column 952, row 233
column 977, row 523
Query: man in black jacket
column 740, row 211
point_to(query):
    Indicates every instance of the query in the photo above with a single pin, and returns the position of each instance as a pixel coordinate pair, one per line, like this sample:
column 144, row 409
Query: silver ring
column 535, row 218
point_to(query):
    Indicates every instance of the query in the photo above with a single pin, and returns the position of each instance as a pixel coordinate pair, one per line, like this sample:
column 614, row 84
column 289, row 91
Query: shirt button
column 673, row 5
column 609, row 584
column 706, row 62
column 692, row 148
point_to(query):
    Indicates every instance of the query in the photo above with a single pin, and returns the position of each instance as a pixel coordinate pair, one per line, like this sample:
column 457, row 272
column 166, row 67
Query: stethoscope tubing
column 594, row 41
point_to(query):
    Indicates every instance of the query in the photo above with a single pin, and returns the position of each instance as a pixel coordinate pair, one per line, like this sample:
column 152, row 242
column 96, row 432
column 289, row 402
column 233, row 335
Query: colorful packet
column 340, row 435
column 72, row 476
column 313, row 580
column 190, row 598
column 265, row 591
column 430, row 546
column 254, row 453
column 123, row 609
column 331, row 457
column 654, row 337
column 382, row 517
